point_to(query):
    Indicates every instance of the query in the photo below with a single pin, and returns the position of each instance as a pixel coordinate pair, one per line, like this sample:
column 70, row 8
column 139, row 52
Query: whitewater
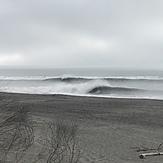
column 104, row 85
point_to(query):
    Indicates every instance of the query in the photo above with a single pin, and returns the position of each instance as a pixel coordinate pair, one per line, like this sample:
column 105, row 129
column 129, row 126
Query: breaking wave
column 113, row 90
column 137, row 86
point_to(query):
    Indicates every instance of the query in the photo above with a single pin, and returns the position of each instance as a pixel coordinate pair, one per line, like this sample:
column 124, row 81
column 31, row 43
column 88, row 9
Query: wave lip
column 112, row 90
column 68, row 79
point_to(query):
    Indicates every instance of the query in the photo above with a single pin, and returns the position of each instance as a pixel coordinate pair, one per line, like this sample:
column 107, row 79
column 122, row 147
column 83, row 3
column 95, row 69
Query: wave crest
column 112, row 90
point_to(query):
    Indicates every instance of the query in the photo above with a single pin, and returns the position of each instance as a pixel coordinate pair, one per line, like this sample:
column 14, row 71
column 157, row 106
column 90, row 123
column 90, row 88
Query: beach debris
column 142, row 148
column 143, row 155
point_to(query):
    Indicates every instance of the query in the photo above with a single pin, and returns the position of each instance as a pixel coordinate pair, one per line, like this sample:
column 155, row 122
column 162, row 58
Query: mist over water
column 84, row 82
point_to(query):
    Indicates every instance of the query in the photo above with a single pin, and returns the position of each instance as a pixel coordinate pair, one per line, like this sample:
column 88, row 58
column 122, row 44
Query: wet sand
column 108, row 129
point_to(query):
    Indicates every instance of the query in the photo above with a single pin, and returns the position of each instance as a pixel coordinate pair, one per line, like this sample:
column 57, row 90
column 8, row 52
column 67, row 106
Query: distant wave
column 23, row 78
column 116, row 79
column 137, row 79
column 70, row 79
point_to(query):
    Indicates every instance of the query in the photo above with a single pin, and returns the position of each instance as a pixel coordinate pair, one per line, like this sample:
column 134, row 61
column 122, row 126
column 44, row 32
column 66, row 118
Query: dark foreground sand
column 108, row 128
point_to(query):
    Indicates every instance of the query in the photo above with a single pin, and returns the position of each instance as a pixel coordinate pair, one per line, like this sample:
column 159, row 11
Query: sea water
column 100, row 82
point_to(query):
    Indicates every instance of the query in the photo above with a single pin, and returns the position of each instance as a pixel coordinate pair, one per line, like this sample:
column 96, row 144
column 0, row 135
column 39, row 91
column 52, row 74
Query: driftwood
column 142, row 156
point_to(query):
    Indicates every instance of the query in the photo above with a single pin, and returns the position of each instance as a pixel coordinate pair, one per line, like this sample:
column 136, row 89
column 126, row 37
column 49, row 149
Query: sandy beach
column 109, row 130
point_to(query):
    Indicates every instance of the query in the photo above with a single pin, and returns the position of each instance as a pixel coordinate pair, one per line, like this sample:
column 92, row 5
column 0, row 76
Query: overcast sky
column 81, row 33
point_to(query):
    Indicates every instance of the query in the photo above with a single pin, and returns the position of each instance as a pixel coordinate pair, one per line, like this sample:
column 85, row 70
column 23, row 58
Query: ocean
column 99, row 82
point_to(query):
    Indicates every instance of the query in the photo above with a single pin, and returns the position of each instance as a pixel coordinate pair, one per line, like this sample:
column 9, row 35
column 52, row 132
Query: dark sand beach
column 108, row 129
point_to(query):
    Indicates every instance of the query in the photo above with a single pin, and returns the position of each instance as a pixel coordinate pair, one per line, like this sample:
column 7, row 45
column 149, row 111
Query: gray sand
column 108, row 128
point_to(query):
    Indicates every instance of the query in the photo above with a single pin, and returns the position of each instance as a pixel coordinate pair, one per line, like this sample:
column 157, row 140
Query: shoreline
column 83, row 96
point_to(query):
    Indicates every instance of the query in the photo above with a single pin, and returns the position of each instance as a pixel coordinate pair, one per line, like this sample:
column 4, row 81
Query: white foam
column 59, row 87
column 23, row 77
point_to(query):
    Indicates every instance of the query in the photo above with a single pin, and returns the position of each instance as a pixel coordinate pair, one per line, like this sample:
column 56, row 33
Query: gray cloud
column 92, row 33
